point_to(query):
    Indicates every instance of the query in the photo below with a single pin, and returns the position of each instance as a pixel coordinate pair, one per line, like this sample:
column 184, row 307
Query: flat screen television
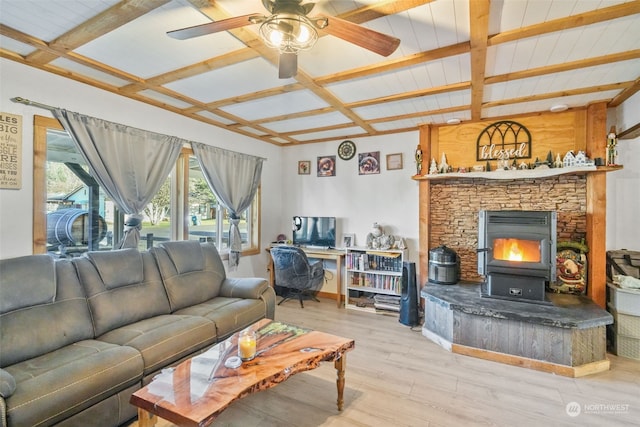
column 314, row 231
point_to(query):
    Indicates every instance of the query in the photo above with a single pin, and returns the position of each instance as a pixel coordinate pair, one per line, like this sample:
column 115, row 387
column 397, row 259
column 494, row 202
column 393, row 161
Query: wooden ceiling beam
column 574, row 21
column 625, row 94
column 107, row 21
column 479, row 32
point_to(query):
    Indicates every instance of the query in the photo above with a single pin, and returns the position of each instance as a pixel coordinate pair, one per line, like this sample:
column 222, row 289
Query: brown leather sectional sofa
column 79, row 336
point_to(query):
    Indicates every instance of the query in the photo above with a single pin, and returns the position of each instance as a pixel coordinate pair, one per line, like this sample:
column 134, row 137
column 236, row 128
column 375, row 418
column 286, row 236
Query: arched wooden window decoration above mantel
column 503, row 140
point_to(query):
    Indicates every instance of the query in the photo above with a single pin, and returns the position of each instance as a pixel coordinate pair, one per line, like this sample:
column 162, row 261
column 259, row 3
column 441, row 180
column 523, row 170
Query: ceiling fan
column 290, row 30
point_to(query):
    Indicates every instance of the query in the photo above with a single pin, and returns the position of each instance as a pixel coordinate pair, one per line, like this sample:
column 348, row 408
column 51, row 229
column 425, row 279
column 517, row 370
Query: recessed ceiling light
column 453, row 121
column 558, row 108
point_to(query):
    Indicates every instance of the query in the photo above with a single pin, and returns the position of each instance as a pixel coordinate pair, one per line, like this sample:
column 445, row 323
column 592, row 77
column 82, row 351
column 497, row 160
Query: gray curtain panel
column 130, row 164
column 234, row 179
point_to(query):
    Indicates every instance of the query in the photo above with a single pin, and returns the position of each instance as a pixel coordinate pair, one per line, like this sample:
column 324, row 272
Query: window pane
column 156, row 225
column 204, row 211
column 73, row 196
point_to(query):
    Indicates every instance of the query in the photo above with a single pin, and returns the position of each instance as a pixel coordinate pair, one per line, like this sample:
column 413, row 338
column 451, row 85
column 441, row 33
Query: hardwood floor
column 397, row 377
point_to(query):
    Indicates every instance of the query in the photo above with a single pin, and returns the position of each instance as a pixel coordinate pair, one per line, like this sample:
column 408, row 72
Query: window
column 68, row 201
column 209, row 220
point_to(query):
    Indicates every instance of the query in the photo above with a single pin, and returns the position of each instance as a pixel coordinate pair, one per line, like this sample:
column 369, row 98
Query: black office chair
column 294, row 273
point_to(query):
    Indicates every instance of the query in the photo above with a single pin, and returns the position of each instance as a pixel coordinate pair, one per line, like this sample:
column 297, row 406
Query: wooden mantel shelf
column 520, row 174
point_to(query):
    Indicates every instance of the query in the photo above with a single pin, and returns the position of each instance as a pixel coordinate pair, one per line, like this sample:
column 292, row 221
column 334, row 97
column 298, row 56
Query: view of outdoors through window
column 81, row 217
column 72, row 197
column 208, row 220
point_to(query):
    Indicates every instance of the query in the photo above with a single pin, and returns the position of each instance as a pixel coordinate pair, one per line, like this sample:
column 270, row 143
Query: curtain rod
column 25, row 101
column 20, row 100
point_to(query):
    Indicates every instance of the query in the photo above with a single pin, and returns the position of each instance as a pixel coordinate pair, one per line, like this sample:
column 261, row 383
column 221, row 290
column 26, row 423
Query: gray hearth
column 567, row 337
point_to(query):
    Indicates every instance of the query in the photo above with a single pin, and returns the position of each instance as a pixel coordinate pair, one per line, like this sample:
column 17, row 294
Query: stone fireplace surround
column 455, row 204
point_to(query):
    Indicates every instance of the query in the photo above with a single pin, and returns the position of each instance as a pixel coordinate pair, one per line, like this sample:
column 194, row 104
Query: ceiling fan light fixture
column 289, row 33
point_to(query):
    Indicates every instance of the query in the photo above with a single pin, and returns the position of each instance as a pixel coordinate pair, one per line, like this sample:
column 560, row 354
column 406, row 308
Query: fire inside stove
column 516, row 250
column 516, row 253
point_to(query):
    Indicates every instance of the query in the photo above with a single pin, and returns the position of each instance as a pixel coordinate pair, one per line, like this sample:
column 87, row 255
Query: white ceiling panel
column 210, row 115
column 80, row 69
column 287, row 103
column 142, row 46
column 248, row 76
column 509, row 15
column 545, row 104
column 161, row 97
column 302, row 123
column 337, row 133
column 415, row 105
column 570, row 45
column 47, row 20
column 15, row 46
column 568, row 80
column 438, row 73
column 343, row 56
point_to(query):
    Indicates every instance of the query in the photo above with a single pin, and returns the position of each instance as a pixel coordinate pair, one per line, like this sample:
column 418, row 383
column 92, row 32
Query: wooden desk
column 333, row 254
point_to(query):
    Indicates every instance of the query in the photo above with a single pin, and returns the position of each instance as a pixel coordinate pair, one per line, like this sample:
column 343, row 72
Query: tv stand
column 332, row 254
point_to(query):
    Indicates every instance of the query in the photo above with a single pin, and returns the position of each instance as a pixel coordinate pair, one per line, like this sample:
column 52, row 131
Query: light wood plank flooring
column 396, row 377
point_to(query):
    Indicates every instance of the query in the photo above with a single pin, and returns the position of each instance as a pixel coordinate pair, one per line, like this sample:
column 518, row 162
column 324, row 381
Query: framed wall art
column 394, row 161
column 327, row 166
column 369, row 163
column 304, row 167
column 348, row 240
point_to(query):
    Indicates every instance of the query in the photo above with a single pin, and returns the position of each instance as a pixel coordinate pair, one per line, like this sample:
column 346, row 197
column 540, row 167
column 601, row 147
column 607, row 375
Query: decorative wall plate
column 346, row 150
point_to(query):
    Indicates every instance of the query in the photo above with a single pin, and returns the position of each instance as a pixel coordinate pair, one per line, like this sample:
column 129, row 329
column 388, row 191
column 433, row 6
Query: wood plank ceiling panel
column 456, row 59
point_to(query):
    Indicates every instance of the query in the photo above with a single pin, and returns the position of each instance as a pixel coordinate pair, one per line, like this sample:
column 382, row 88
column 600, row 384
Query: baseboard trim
column 538, row 365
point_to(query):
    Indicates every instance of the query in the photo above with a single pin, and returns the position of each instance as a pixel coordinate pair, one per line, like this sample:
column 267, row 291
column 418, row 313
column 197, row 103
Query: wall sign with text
column 10, row 151
column 504, row 140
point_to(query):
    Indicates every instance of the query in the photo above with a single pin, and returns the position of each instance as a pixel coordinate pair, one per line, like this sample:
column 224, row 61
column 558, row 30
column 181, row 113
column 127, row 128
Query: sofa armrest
column 7, row 384
column 246, row 287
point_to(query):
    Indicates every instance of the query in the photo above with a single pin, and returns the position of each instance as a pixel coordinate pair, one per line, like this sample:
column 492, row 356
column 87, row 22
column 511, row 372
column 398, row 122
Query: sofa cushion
column 185, row 286
column 38, row 329
column 164, row 339
column 118, row 268
column 186, row 256
column 228, row 314
column 27, row 281
column 116, row 301
column 7, row 384
column 63, row 382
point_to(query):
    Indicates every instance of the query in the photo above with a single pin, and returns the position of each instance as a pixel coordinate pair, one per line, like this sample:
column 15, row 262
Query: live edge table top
column 196, row 391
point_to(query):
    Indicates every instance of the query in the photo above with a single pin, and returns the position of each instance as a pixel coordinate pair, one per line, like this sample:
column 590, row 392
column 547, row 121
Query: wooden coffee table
column 195, row 392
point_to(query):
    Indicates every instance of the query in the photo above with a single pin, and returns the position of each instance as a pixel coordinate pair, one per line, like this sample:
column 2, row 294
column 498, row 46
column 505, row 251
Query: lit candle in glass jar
column 247, row 345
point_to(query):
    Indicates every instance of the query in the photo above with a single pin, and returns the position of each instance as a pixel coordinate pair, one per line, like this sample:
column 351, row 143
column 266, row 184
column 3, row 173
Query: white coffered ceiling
column 467, row 60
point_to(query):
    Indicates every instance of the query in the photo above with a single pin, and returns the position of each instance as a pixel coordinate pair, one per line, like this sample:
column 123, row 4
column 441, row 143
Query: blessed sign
column 10, row 151
column 504, row 140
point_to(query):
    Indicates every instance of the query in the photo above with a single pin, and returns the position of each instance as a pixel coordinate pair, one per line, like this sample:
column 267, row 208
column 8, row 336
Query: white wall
column 16, row 205
column 357, row 201
column 623, row 186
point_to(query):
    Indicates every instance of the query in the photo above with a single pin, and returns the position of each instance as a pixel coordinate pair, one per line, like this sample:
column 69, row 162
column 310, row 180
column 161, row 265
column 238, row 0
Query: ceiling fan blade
column 215, row 27
column 287, row 65
column 380, row 43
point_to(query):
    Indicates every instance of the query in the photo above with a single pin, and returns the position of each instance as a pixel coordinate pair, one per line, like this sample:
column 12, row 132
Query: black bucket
column 71, row 227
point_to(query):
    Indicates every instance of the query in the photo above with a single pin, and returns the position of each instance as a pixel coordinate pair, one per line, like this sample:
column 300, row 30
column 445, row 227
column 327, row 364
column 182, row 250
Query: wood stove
column 516, row 254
